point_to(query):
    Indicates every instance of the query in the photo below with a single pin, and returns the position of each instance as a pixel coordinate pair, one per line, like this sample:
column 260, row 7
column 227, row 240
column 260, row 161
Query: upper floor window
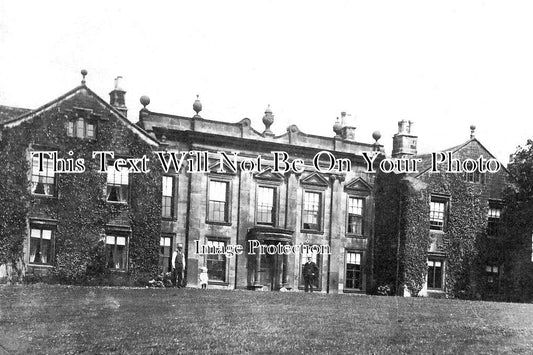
column 43, row 177
column 167, row 204
column 116, row 252
column 493, row 217
column 265, row 211
column 355, row 215
column 218, row 201
column 81, row 128
column 117, row 184
column 437, row 213
column 312, row 210
column 41, row 245
column 475, row 177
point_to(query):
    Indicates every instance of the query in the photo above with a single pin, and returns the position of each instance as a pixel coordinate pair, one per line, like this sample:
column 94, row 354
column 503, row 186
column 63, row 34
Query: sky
column 443, row 65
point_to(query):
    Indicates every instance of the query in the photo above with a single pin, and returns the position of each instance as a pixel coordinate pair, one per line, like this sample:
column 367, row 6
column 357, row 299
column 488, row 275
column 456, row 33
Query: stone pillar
column 257, row 284
column 336, row 263
column 284, row 274
column 291, row 219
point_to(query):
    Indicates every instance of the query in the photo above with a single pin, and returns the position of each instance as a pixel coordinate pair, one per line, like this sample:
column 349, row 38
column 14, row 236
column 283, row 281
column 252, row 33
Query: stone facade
column 423, row 232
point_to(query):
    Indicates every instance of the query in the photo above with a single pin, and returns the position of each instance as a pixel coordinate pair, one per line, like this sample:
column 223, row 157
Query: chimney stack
column 403, row 142
column 348, row 126
column 117, row 97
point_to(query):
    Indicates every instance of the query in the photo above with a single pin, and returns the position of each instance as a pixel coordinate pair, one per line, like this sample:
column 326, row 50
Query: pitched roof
column 425, row 164
column 8, row 112
column 14, row 121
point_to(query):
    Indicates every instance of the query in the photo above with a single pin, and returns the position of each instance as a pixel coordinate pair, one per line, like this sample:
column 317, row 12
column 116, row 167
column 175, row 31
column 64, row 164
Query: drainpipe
column 332, row 178
column 187, row 220
column 398, row 244
column 238, row 227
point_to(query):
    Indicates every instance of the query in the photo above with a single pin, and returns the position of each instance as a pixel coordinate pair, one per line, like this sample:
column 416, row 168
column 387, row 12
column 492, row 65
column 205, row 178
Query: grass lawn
column 62, row 319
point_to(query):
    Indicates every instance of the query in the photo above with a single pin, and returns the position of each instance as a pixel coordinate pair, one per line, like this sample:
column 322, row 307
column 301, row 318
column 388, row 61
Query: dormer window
column 81, row 128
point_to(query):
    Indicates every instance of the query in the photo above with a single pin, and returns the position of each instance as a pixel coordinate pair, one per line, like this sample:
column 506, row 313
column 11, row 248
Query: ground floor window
column 216, row 263
column 116, row 252
column 493, row 276
column 41, row 245
column 435, row 272
column 165, row 253
column 353, row 269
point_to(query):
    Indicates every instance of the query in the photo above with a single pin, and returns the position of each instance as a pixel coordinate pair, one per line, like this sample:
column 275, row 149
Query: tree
column 517, row 223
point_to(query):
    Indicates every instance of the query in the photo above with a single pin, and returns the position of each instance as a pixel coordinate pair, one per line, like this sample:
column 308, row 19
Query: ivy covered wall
column 403, row 238
column 79, row 211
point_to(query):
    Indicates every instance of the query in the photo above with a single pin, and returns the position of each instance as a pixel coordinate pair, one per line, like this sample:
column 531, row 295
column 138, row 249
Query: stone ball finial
column 472, row 131
column 145, row 100
column 84, row 74
column 197, row 106
column 337, row 127
column 376, row 135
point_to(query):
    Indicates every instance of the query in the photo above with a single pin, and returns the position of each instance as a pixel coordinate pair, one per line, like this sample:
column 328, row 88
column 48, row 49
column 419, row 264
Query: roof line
column 461, row 146
column 28, row 115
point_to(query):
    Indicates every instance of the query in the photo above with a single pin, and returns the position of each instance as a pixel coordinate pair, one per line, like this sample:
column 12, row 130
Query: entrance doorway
column 268, row 271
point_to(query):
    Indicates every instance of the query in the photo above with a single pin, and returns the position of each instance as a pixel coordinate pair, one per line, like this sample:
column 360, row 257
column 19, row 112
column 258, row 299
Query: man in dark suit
column 310, row 272
column 178, row 265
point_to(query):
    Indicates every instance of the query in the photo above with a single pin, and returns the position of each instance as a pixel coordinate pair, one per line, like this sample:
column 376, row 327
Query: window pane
column 436, row 214
column 216, row 264
column 80, row 128
column 43, row 181
column 217, row 191
column 217, row 201
column 265, row 205
column 434, row 278
column 116, row 252
column 353, row 270
column 167, row 185
column 167, row 199
column 47, row 234
column 40, row 246
column 355, row 216
column 70, row 128
column 90, row 130
column 311, row 212
column 117, row 184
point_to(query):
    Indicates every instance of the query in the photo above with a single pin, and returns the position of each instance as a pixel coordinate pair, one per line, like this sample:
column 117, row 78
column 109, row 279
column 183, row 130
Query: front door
column 271, row 271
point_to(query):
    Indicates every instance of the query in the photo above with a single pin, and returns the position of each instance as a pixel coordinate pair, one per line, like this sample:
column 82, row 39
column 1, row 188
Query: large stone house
column 123, row 222
column 67, row 212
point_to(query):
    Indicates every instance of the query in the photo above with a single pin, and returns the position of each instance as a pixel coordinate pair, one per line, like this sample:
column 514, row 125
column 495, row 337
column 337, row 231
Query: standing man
column 310, row 271
column 178, row 265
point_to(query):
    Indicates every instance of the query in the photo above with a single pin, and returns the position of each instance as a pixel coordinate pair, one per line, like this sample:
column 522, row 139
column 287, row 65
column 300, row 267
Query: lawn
column 62, row 319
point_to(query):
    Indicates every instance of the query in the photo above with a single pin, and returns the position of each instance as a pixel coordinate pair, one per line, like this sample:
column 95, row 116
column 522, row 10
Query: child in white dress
column 204, row 278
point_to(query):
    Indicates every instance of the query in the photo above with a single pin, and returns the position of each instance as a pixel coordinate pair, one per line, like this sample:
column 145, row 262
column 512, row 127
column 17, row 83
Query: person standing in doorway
column 310, row 271
column 178, row 265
